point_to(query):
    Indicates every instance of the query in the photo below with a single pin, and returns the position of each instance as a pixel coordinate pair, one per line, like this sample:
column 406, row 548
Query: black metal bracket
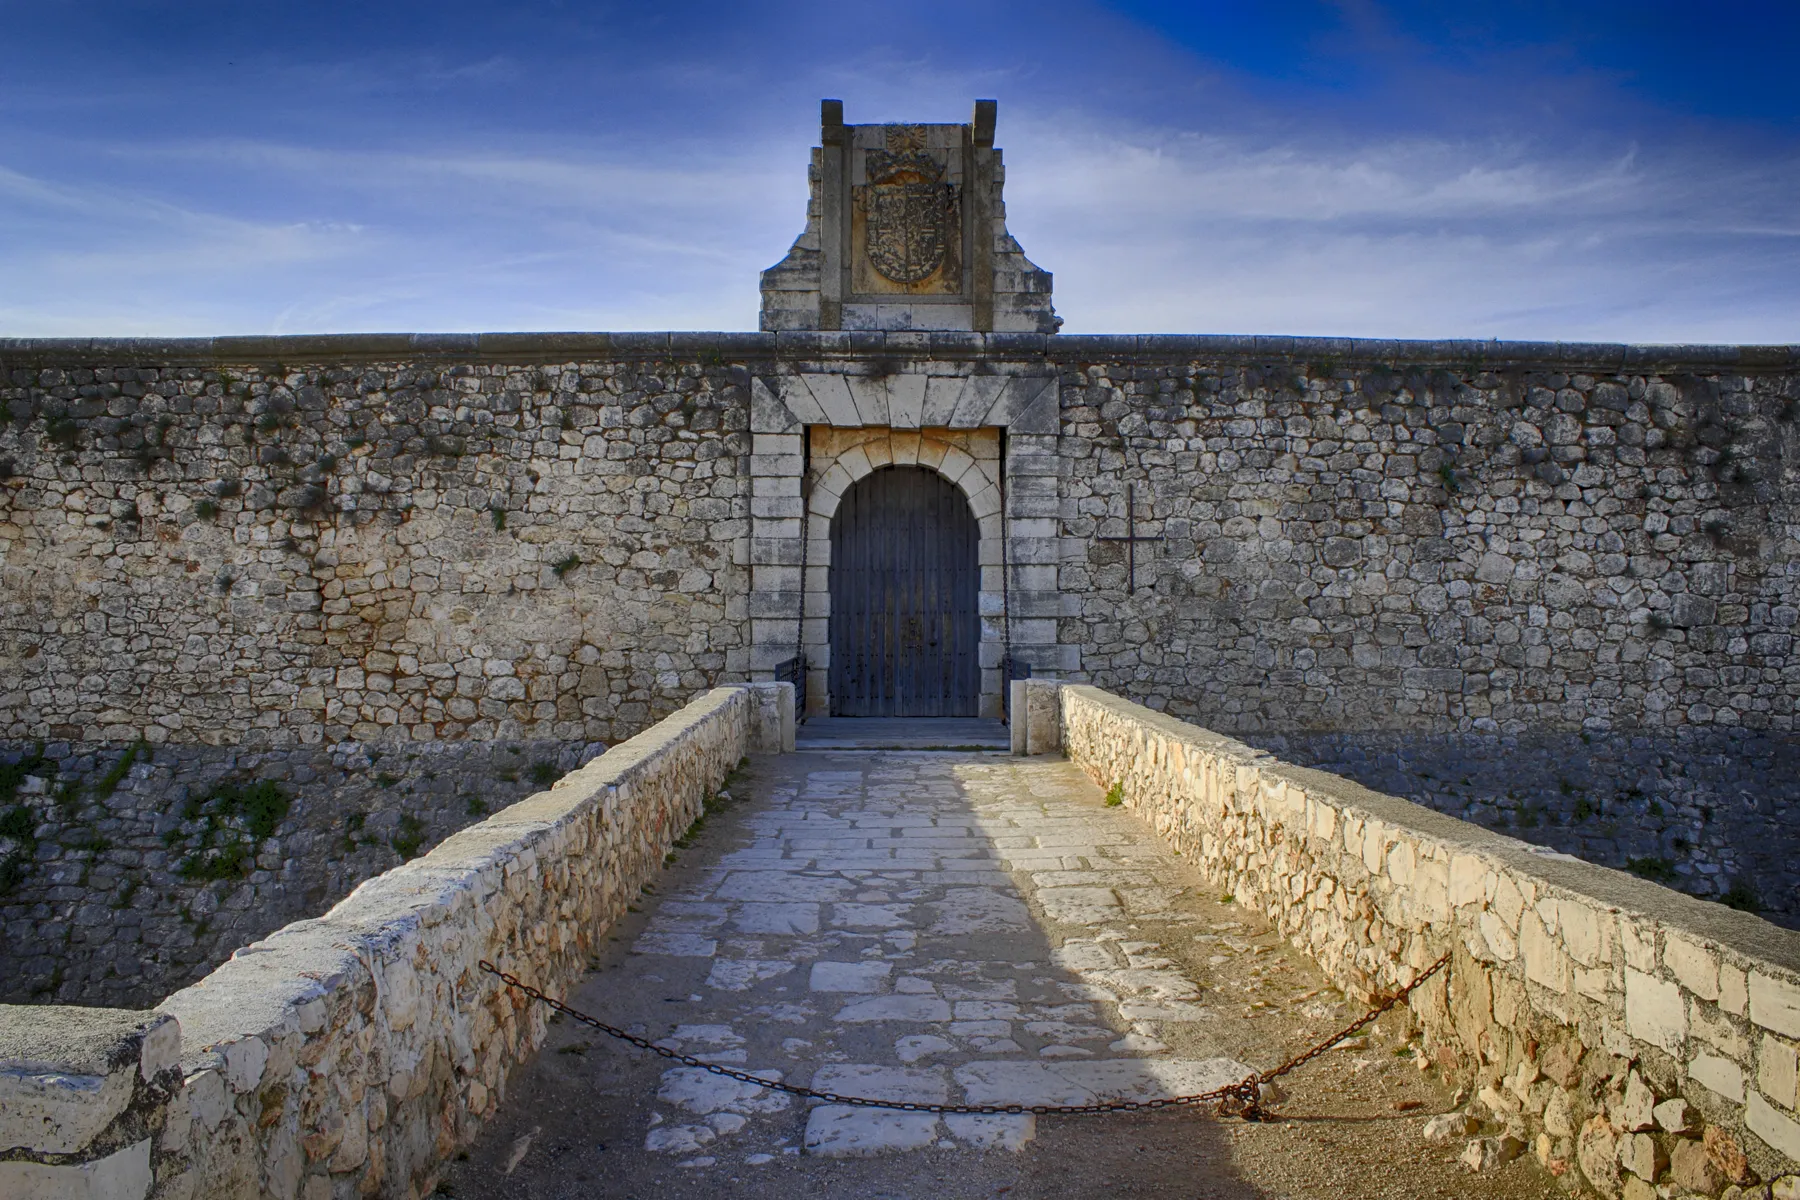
column 793, row 670
column 1131, row 539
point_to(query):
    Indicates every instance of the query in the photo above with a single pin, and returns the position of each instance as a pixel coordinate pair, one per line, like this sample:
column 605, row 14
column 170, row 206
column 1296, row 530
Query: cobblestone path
column 932, row 927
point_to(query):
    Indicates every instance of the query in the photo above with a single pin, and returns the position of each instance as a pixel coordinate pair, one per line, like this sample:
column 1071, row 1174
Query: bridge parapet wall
column 351, row 1054
column 1580, row 1000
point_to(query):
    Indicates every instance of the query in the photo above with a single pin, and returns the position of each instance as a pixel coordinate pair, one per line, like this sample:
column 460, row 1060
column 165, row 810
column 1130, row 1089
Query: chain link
column 1241, row 1099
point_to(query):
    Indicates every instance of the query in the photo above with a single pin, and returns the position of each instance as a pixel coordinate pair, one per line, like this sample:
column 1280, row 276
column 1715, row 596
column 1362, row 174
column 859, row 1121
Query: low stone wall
column 1632, row 1035
column 349, row 1055
column 90, row 1089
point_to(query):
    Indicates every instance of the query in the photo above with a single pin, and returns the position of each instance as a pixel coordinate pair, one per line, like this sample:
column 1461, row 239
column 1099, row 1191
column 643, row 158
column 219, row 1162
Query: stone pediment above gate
column 1024, row 400
column 906, row 230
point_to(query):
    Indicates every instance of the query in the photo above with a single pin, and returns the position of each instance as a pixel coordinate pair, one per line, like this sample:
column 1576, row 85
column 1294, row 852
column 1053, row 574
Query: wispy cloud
column 1409, row 237
column 490, row 176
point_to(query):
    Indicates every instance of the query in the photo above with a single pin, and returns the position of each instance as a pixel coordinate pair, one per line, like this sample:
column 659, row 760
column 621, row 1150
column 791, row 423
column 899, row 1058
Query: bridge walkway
column 955, row 926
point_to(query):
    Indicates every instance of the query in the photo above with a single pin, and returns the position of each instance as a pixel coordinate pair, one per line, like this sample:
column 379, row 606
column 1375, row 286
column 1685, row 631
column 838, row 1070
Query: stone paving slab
column 915, row 926
column 902, row 733
column 916, row 949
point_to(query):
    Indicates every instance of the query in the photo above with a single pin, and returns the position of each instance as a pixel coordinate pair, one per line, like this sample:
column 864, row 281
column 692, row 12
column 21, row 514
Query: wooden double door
column 905, row 585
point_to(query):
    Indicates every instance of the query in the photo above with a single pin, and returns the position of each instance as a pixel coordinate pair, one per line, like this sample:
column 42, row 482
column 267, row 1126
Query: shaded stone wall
column 135, row 871
column 551, row 536
column 1708, row 811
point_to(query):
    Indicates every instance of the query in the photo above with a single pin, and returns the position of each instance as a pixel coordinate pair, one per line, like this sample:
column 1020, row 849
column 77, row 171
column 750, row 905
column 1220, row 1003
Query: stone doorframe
column 816, row 430
column 968, row 458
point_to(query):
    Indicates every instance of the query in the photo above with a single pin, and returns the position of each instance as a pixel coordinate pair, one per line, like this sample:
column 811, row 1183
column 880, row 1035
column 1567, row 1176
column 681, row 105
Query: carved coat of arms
column 910, row 215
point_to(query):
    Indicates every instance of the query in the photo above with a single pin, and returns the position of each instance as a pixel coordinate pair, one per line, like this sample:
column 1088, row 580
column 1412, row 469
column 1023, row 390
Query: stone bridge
column 1125, row 907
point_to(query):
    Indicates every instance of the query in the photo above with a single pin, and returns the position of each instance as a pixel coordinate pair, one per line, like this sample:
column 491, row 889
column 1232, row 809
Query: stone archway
column 967, row 459
column 904, row 586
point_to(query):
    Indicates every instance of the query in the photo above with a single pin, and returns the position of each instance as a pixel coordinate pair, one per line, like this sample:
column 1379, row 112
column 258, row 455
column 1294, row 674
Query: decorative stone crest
column 911, row 215
column 906, row 229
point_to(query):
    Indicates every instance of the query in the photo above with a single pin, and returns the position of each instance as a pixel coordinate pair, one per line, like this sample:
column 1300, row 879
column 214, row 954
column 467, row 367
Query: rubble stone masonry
column 320, row 549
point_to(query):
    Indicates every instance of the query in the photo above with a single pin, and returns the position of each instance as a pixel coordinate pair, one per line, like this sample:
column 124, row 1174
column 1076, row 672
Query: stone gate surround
column 988, row 428
column 968, row 459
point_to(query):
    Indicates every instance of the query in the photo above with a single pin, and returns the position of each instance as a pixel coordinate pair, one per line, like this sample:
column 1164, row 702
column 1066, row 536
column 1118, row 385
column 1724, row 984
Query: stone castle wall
column 1500, row 546
column 259, row 553
column 299, row 545
column 542, row 537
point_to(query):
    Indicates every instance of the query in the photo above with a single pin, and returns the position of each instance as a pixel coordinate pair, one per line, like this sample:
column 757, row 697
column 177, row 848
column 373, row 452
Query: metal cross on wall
column 1131, row 539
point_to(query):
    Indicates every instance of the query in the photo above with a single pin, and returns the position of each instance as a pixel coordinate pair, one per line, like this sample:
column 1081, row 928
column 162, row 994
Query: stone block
column 1734, row 990
column 1727, row 1155
column 776, row 467
column 1655, row 1011
column 1043, row 716
column 1583, row 932
column 1597, row 1151
column 1509, row 901
column 1717, row 1031
column 830, row 398
column 1640, row 1154
column 1016, row 727
column 769, row 414
column 1719, row 1075
column 1776, row 1074
column 1594, row 983
column 1674, row 1116
column 789, row 445
column 1636, row 1109
column 906, row 400
column 66, row 1074
column 1691, row 1169
column 1775, row 1003
column 1694, row 966
column 1545, row 962
column 773, row 730
column 1638, row 944
column 1499, row 940
column 1470, row 880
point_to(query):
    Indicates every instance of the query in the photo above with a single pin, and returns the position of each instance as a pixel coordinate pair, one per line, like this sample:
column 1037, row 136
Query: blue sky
column 1580, row 171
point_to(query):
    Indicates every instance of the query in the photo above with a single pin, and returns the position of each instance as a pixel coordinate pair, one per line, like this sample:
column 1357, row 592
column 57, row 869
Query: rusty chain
column 1241, row 1099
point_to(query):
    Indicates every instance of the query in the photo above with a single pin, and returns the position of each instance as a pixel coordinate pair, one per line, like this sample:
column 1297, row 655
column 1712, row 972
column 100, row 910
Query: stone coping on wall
column 352, row 1053
column 1579, row 998
column 1071, row 348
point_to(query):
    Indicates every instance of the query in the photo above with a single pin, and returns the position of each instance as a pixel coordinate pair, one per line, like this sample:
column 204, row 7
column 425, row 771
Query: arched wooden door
column 905, row 587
